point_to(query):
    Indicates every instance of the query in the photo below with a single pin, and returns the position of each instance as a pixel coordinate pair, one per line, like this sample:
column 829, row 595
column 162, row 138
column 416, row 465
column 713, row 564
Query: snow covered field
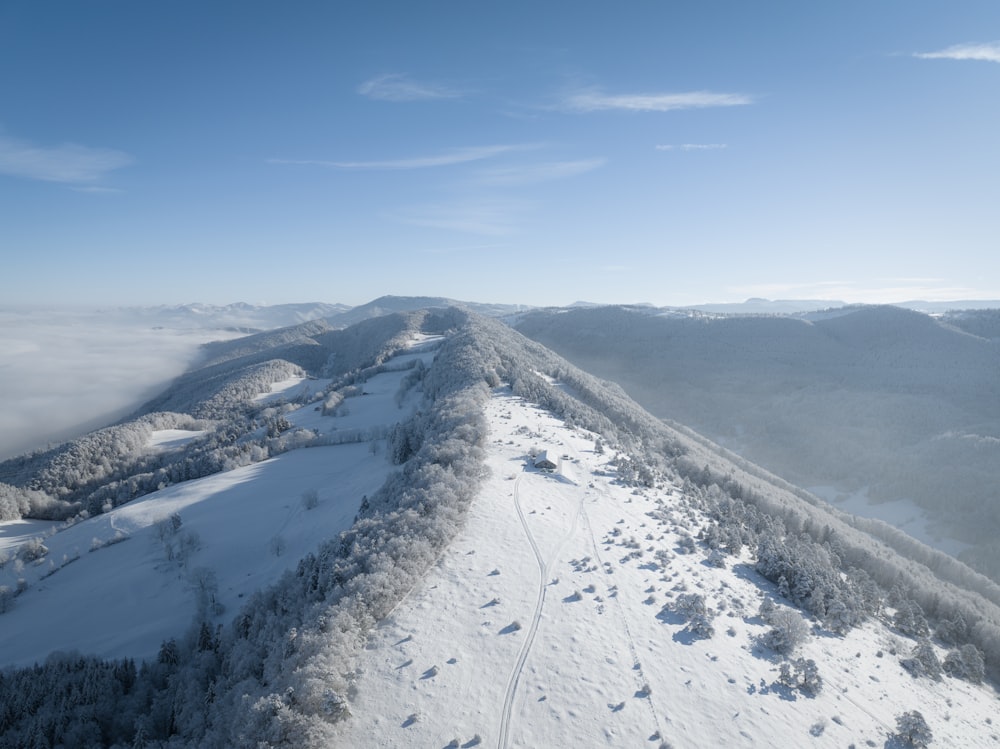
column 121, row 583
column 239, row 531
column 544, row 625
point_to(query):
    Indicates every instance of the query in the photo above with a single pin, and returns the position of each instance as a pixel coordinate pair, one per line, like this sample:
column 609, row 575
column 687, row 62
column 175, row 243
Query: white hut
column 545, row 462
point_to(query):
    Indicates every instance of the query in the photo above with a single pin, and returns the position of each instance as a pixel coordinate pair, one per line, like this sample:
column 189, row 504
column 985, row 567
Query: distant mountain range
column 257, row 317
column 250, row 318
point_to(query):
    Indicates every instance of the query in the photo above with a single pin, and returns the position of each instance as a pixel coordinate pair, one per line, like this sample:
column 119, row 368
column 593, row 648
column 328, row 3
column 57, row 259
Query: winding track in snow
column 515, row 674
column 503, row 735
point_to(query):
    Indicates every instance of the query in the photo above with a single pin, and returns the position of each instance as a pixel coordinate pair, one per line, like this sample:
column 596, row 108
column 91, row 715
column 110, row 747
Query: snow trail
column 544, row 566
column 515, row 675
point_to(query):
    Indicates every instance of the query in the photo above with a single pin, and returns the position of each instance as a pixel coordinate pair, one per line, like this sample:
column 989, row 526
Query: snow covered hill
column 240, row 315
column 556, row 618
column 138, row 574
column 878, row 402
column 343, row 538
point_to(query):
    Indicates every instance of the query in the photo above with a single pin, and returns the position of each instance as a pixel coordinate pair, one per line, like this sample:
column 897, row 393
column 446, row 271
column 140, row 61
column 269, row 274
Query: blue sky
column 537, row 153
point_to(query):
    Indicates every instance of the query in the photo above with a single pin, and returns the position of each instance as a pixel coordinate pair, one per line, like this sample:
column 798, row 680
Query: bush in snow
column 716, row 558
column 912, row 729
column 693, row 609
column 801, row 674
column 766, row 609
column 6, row 599
column 686, row 544
column 310, row 499
column 32, row 550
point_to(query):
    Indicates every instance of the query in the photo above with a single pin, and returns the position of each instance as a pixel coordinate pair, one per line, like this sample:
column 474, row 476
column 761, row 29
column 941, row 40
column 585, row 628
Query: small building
column 545, row 462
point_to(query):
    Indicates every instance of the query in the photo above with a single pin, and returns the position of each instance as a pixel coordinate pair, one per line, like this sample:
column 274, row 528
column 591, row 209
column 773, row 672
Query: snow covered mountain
column 240, row 315
column 90, row 367
column 866, row 404
column 342, row 537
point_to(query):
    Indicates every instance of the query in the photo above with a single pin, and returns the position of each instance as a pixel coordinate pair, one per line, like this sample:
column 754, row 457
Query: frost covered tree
column 910, row 620
column 693, row 609
column 923, row 661
column 801, row 674
column 966, row 663
column 277, row 545
column 912, row 729
column 787, row 632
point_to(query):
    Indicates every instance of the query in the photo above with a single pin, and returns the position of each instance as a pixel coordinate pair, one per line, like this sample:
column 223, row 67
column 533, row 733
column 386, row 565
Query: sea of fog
column 66, row 371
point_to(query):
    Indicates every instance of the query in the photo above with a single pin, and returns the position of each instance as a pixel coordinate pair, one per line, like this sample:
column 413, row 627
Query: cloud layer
column 399, row 87
column 693, row 147
column 66, row 372
column 877, row 290
column 486, row 217
column 447, row 158
column 596, row 101
column 67, row 163
column 526, row 174
column 988, row 51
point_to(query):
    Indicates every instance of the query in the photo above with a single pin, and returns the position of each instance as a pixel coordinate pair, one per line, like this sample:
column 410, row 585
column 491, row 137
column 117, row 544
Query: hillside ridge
column 278, row 663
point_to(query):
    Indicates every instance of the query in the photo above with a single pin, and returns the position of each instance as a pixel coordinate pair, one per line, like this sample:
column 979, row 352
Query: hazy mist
column 69, row 371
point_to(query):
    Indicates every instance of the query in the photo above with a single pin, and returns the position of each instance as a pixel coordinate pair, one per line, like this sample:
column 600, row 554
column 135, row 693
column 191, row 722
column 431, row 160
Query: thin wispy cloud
column 447, row 158
column 593, row 100
column 400, row 87
column 462, row 249
column 95, row 189
column 67, row 163
column 693, row 147
column 525, row 174
column 484, row 217
column 987, row 51
column 879, row 290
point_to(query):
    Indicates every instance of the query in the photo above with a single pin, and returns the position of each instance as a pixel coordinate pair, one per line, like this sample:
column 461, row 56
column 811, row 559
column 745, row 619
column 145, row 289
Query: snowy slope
column 552, row 611
column 544, row 624
column 882, row 399
column 121, row 583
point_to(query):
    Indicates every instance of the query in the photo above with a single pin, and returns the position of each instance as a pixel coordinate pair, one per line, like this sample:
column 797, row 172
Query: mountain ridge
column 879, row 399
column 280, row 669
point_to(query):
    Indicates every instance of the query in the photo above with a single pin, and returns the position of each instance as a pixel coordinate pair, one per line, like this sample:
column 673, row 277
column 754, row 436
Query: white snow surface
column 541, row 626
column 13, row 533
column 294, row 388
column 170, row 439
column 107, row 585
column 126, row 598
